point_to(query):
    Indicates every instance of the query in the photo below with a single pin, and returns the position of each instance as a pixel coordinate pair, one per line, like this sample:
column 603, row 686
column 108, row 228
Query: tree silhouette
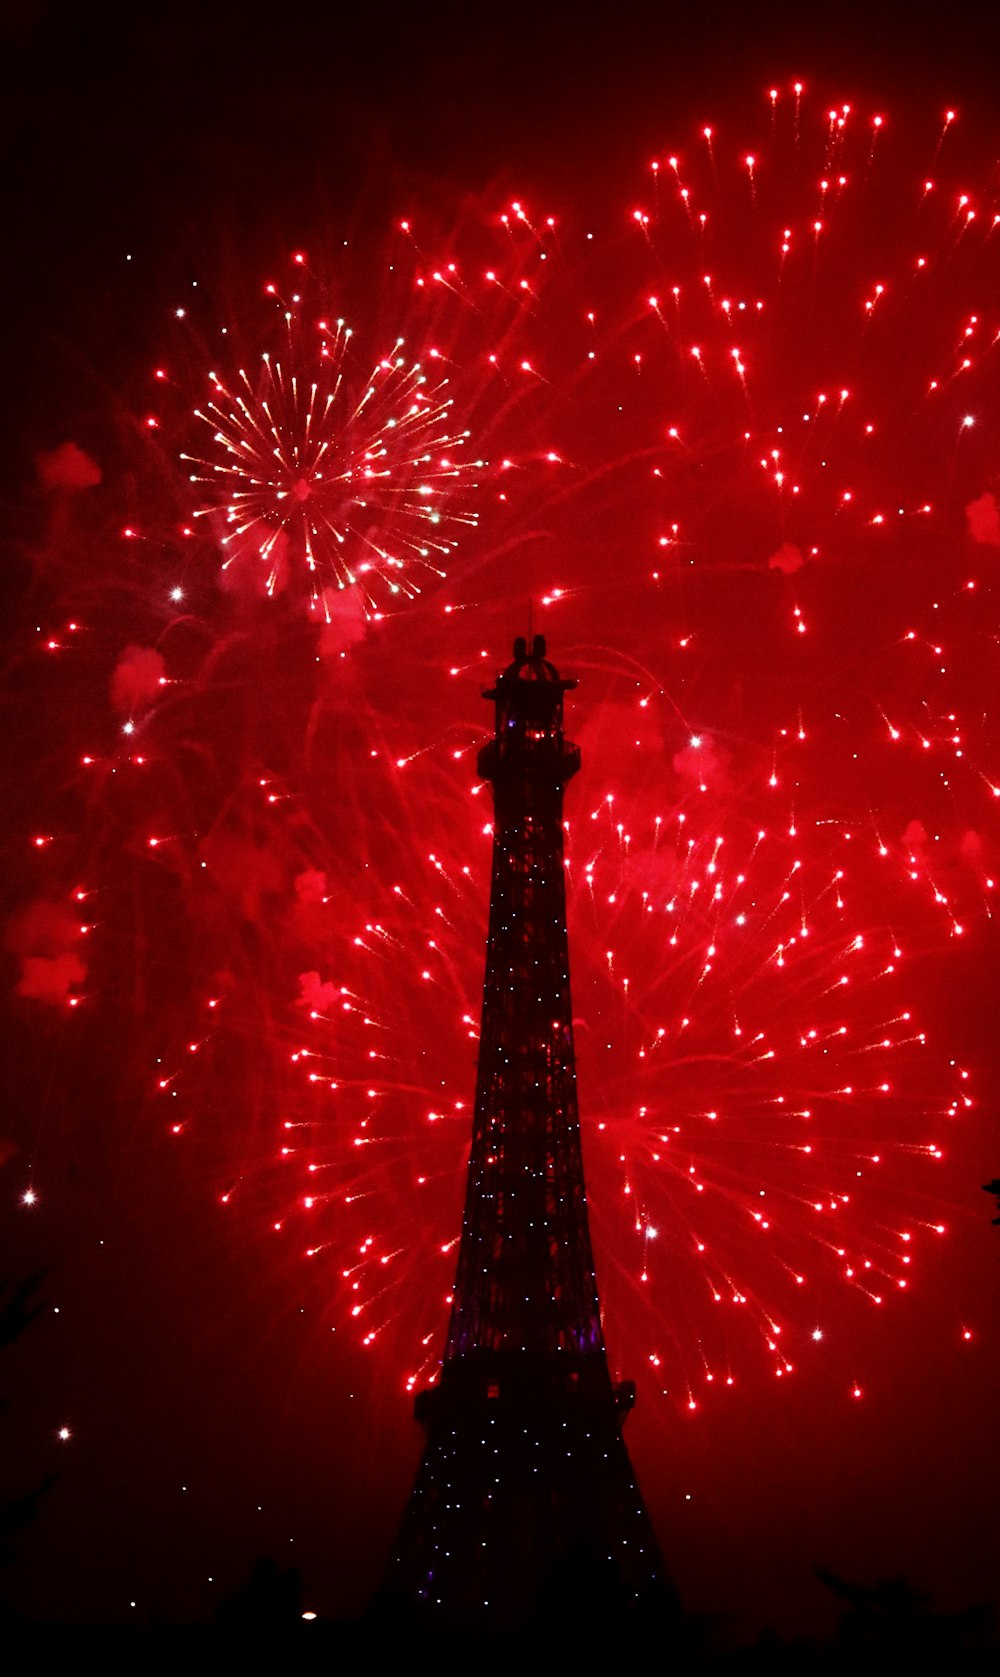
column 269, row 1602
column 893, row 1621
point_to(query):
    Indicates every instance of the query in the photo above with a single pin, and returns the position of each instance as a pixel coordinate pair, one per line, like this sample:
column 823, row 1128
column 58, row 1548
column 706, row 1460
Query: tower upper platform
column 528, row 696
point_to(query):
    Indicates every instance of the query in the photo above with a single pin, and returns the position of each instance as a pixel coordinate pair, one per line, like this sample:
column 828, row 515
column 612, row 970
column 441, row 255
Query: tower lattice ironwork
column 525, row 1485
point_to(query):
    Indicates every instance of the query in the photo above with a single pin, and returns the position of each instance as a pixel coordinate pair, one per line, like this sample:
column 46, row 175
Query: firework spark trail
column 303, row 464
column 754, row 422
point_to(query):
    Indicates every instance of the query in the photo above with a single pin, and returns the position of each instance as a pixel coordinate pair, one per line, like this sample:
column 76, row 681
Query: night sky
column 732, row 441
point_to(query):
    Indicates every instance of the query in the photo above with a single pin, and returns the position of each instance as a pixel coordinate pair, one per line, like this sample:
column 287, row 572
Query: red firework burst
column 753, row 421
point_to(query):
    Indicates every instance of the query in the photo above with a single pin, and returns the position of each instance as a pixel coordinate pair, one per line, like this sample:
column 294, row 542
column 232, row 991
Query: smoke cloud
column 67, row 467
column 247, row 872
column 983, row 519
column 44, row 936
column 787, row 559
column 137, row 679
column 310, row 887
column 316, row 995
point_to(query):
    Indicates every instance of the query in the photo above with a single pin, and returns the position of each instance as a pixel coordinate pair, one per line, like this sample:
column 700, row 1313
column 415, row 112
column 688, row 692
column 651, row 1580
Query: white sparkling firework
column 352, row 481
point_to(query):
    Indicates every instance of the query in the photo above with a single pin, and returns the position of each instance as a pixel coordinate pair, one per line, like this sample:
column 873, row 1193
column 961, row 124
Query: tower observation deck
column 525, row 1483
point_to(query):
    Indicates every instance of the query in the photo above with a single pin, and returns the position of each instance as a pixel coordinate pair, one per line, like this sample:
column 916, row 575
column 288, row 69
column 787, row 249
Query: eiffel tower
column 525, row 1488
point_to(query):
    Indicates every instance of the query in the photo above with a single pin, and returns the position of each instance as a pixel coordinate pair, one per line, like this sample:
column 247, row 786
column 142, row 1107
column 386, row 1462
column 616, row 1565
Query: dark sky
column 219, row 1403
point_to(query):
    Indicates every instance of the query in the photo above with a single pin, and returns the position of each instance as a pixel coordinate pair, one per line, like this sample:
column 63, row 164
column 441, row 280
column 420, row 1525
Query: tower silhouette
column 525, row 1490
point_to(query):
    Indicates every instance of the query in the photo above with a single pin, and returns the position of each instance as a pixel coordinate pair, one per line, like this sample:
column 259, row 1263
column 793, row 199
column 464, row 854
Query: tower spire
column 525, row 1469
